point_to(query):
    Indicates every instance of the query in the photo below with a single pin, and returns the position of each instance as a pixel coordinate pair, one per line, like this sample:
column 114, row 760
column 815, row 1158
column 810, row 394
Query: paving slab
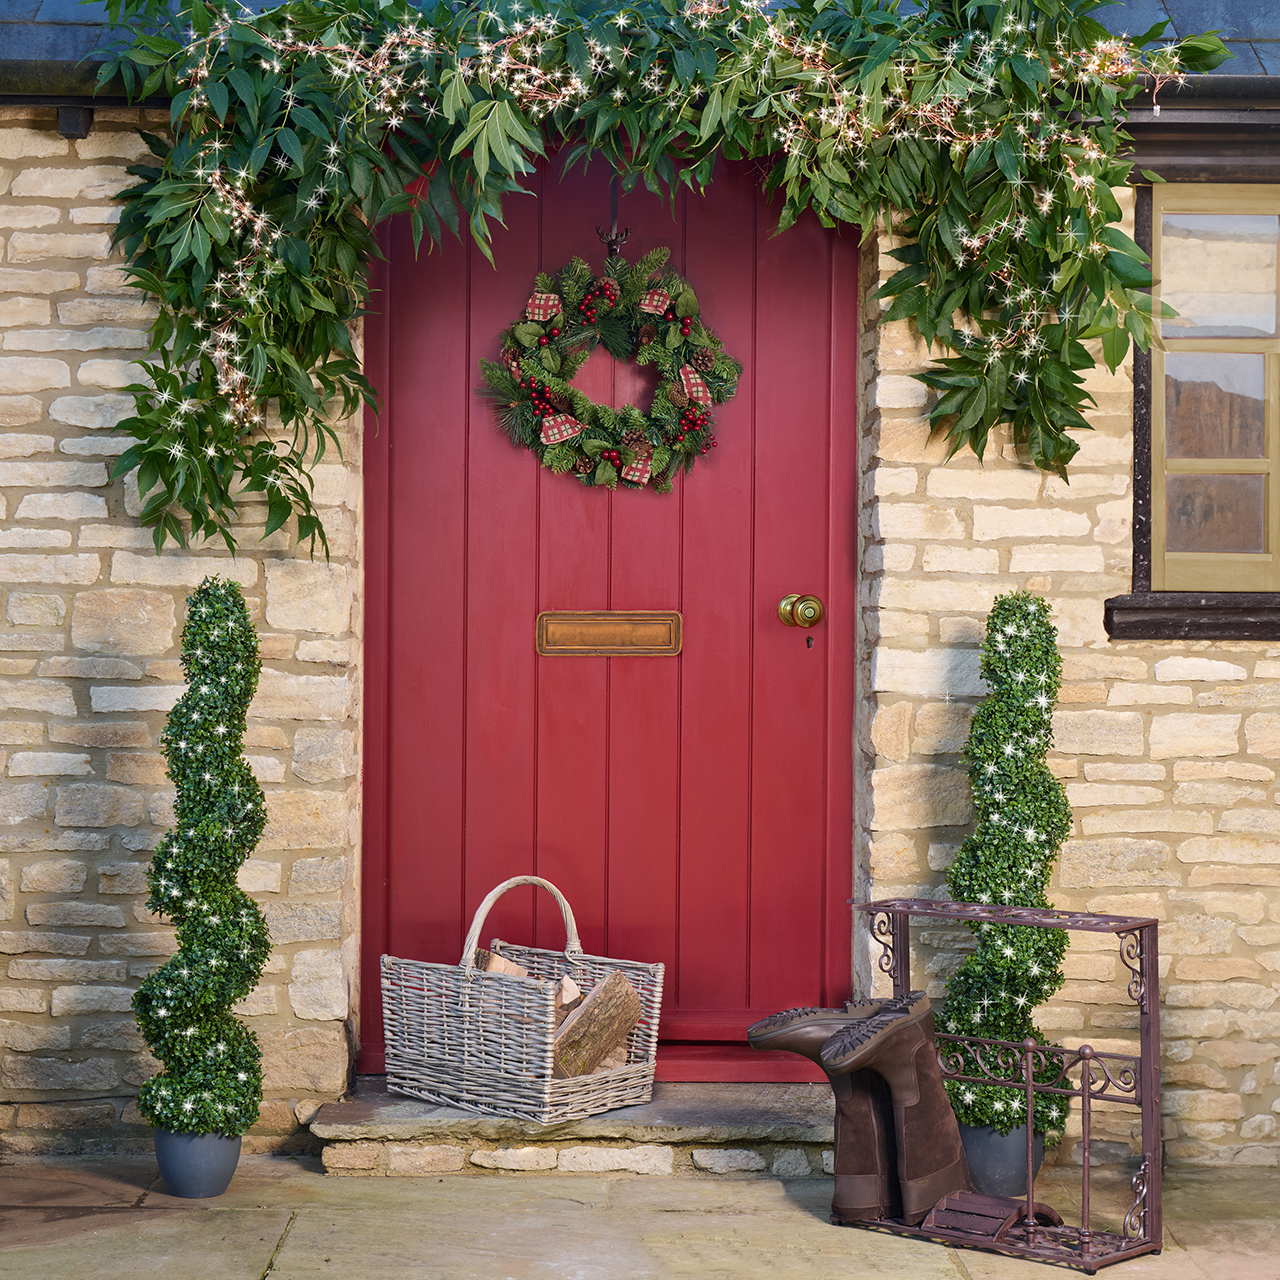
column 679, row 1112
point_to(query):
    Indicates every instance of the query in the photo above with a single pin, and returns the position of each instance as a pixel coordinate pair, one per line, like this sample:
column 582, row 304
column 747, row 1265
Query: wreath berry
column 642, row 311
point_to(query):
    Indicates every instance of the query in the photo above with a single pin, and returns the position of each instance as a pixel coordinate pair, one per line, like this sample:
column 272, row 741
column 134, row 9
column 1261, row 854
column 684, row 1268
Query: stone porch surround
column 89, row 647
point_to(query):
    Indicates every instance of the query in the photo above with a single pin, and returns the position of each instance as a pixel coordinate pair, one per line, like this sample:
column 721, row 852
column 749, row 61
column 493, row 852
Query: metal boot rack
column 1024, row 1228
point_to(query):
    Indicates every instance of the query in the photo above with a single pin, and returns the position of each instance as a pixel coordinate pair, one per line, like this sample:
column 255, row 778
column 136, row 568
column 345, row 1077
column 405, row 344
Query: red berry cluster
column 542, row 342
column 538, row 394
column 611, row 455
column 686, row 322
column 607, row 290
column 692, row 420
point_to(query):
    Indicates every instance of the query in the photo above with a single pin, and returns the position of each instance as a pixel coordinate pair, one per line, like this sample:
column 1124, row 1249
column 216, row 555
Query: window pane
column 1219, row 271
column 1215, row 513
column 1214, row 405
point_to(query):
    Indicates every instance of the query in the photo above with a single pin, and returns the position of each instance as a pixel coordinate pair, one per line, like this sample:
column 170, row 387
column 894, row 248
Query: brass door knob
column 800, row 611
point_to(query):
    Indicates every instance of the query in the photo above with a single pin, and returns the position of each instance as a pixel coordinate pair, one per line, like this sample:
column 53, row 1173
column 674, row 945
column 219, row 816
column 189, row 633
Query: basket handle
column 572, row 945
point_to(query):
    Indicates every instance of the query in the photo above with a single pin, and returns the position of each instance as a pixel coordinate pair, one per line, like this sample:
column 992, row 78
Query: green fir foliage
column 991, row 133
column 212, row 1077
column 1023, row 818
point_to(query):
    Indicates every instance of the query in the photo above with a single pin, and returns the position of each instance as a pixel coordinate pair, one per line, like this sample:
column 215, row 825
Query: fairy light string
column 993, row 146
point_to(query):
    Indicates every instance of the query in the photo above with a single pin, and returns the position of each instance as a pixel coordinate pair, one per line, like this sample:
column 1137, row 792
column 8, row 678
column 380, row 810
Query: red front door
column 696, row 809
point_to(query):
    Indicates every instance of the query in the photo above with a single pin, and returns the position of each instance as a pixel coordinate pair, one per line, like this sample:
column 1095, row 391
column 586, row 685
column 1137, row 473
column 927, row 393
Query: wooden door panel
column 695, row 810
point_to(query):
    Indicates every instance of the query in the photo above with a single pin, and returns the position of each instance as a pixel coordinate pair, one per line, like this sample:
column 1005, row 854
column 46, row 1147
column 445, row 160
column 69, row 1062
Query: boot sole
column 848, row 1055
column 803, row 1017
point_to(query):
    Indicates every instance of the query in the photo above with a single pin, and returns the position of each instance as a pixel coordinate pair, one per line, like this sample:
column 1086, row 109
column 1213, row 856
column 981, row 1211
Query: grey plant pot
column 998, row 1161
column 196, row 1166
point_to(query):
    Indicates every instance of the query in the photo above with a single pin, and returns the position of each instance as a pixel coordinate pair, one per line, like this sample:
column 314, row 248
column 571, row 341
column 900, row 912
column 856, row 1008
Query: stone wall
column 89, row 646
column 1167, row 751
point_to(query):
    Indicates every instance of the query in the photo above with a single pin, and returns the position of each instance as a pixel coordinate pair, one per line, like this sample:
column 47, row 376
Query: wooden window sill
column 1193, row 615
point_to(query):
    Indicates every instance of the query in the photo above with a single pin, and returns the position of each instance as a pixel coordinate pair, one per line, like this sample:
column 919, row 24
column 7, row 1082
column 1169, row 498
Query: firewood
column 599, row 1025
column 568, row 996
column 491, row 962
column 618, row 1058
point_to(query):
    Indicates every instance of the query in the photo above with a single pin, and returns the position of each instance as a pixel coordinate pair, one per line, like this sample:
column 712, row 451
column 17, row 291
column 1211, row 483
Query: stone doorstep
column 762, row 1130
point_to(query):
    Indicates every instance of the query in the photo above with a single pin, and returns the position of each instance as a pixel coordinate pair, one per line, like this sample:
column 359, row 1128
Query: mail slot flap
column 610, row 633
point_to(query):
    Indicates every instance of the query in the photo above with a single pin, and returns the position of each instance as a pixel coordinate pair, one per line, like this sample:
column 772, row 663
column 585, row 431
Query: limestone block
column 259, row 1002
column 119, row 621
column 890, row 482
column 646, row 1158
column 891, row 731
column 909, row 796
column 1086, row 864
column 521, row 1159
column 65, row 570
column 27, row 1037
column 1125, row 772
column 19, row 445
column 75, row 913
column 1219, row 794
column 24, row 1000
column 305, row 820
column 303, row 921
column 35, row 764
column 114, row 698
column 414, row 1162
column 62, row 506
column 18, row 411
column 790, row 1162
column 317, row 988
column 313, row 876
column 286, row 697
column 1215, row 970
column 1195, row 935
column 1238, row 1053
column 139, row 944
column 1176, row 820
column 927, row 672
column 730, row 1160
column 17, row 280
column 93, row 1075
column 934, row 595
column 896, row 391
column 79, row 999
column 960, row 560
column 893, row 859
column 1021, row 484
column 1248, row 907
column 1190, row 734
column 92, row 804
column 1262, row 733
column 303, row 595
column 266, row 768
column 30, row 373
column 37, row 695
column 1098, row 733
column 97, row 310
column 115, row 144
column 22, row 802
column 256, row 875
column 111, row 733
column 1078, row 619
column 1102, row 666
column 1186, row 1104
column 1084, row 794
column 1142, row 695
column 160, row 808
column 335, row 485
column 1173, row 669
column 899, row 521
column 37, row 246
column 321, row 755
column 1258, row 1127
column 22, row 144
column 1232, row 849
column 63, row 875
column 68, row 970
column 1251, row 821
column 356, row 1156
column 305, row 1060
column 179, row 570
column 1028, row 523
column 1047, row 558
column 22, row 216
column 122, row 877
column 942, row 728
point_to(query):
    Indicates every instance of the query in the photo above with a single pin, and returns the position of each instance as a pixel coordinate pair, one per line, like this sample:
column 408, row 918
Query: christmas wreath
column 643, row 311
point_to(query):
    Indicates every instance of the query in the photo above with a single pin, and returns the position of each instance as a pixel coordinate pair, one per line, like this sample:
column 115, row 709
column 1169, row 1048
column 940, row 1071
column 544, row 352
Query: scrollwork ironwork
column 1135, row 1221
column 1131, row 958
column 882, row 932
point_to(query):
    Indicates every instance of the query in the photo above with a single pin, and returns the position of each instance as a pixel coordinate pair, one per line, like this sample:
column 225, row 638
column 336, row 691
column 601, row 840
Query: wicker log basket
column 482, row 1042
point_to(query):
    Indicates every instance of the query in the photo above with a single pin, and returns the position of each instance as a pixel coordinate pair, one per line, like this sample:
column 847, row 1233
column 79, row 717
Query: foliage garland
column 629, row 312
column 212, row 1078
column 1023, row 818
column 991, row 133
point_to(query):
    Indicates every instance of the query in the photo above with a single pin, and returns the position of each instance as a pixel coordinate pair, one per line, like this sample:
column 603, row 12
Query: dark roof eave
column 49, row 83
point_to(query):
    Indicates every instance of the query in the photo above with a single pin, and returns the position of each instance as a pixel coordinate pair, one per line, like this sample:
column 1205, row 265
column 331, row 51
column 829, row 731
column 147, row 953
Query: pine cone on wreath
column 637, row 440
column 704, row 358
column 560, row 401
column 648, row 333
column 677, row 396
column 584, row 464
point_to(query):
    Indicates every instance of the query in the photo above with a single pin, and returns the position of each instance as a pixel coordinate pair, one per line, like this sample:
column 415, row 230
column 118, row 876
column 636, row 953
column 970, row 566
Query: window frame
column 1153, row 613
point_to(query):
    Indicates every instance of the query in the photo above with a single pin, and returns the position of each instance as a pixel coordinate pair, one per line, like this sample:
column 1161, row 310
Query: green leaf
column 686, row 304
column 528, row 334
column 218, row 97
column 1115, row 346
column 289, row 143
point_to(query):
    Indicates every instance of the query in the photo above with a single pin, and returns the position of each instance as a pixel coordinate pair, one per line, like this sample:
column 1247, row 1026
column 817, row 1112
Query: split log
column 598, row 1026
column 568, row 996
column 491, row 962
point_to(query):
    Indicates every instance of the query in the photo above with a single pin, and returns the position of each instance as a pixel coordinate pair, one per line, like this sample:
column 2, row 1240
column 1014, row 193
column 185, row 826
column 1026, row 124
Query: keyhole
column 808, row 642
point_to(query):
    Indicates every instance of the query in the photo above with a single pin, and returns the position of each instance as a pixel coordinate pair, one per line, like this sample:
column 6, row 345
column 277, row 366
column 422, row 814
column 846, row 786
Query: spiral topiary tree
column 1023, row 818
column 212, row 1077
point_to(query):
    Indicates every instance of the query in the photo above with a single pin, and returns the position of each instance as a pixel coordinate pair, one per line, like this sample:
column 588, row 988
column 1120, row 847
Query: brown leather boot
column 897, row 1043
column 865, row 1162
